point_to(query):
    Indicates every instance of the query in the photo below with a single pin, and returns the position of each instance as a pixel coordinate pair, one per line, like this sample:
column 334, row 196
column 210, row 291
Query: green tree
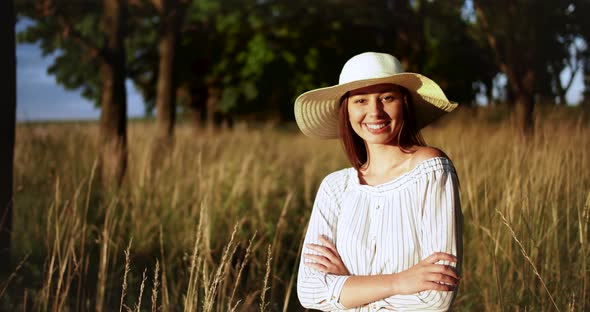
column 253, row 57
column 525, row 45
column 88, row 38
column 113, row 99
column 171, row 15
column 429, row 37
column 444, row 50
column 171, row 42
column 582, row 28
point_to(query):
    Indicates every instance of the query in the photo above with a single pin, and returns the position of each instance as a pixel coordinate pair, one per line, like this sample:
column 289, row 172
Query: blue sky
column 39, row 97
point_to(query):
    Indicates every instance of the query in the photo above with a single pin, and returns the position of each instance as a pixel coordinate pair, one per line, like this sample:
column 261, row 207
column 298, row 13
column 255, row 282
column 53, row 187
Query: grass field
column 217, row 226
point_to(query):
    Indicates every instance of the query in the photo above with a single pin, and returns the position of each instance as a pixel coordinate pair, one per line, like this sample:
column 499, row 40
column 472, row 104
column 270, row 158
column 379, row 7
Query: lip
column 377, row 131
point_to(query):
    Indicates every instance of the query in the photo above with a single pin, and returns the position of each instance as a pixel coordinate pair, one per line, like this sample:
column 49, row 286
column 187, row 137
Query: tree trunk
column 522, row 86
column 404, row 32
column 195, row 118
column 561, row 95
column 420, row 41
column 525, row 104
column 586, row 79
column 171, row 14
column 197, row 108
column 192, row 97
column 213, row 97
column 490, row 93
column 586, row 83
column 7, row 129
column 113, row 100
column 518, row 66
column 166, row 97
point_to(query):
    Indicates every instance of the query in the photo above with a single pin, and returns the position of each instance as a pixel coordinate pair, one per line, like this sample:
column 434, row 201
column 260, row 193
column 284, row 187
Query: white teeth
column 376, row 126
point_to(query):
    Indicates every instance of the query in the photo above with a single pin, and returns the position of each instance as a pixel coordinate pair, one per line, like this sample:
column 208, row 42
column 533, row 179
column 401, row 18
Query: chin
column 389, row 140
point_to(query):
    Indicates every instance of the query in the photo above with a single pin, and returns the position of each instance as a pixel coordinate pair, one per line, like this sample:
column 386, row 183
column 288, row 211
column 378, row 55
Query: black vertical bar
column 7, row 129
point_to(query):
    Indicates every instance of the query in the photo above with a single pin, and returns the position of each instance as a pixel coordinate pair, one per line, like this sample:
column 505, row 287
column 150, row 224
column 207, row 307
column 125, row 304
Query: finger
column 320, row 248
column 438, row 256
column 439, row 287
column 325, row 251
column 444, row 269
column 329, row 270
column 442, row 278
column 328, row 244
column 319, row 259
column 317, row 266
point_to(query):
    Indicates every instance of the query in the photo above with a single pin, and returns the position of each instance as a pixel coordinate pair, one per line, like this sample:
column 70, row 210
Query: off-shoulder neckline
column 421, row 166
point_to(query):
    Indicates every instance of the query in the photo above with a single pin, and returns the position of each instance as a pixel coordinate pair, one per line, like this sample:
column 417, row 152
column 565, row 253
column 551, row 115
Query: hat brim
column 316, row 111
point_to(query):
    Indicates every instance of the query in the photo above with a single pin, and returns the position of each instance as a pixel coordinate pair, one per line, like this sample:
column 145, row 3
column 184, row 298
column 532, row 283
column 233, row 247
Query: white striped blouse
column 384, row 229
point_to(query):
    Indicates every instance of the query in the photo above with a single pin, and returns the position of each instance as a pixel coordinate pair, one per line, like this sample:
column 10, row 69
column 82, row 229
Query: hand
column 329, row 259
column 427, row 275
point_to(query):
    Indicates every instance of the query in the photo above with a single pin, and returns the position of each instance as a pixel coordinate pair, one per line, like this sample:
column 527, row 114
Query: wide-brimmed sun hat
column 316, row 111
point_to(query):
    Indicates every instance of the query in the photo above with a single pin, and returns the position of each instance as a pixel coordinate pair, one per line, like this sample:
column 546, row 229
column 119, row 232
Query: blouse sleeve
column 315, row 289
column 441, row 227
column 440, row 230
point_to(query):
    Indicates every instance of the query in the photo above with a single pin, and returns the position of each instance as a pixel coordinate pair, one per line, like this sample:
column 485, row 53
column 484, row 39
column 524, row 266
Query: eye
column 359, row 101
column 388, row 98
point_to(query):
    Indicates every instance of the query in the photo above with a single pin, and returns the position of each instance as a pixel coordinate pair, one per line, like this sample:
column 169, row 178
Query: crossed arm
column 362, row 290
column 325, row 283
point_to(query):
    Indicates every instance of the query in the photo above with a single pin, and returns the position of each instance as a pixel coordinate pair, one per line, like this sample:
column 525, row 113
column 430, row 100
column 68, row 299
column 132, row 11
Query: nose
column 375, row 106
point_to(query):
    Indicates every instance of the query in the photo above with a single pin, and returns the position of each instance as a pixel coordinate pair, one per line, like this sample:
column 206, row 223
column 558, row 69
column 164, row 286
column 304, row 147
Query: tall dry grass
column 217, row 226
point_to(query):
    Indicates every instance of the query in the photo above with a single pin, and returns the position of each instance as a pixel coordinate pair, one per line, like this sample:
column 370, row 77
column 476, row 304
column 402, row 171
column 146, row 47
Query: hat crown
column 370, row 65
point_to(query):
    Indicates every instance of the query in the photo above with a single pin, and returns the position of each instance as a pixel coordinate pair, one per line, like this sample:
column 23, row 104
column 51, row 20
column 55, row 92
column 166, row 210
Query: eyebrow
column 365, row 93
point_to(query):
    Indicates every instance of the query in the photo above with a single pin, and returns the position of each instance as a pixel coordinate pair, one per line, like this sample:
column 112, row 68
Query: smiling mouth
column 377, row 126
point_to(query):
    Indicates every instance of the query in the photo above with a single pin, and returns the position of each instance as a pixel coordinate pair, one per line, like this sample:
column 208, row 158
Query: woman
column 386, row 233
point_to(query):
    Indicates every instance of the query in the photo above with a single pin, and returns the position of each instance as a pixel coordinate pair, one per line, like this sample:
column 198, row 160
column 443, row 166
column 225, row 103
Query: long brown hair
column 354, row 145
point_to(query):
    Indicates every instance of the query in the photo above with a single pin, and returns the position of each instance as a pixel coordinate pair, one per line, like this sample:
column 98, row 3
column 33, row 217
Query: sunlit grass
column 202, row 229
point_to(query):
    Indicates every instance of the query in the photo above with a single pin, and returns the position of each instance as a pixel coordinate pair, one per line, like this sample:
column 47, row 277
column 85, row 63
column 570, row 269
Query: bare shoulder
column 423, row 153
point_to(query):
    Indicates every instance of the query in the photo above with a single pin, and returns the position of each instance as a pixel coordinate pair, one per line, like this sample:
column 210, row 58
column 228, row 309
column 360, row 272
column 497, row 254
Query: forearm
column 361, row 290
column 425, row 275
column 388, row 290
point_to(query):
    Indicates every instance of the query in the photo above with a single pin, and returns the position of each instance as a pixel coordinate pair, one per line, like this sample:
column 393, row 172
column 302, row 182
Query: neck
column 382, row 157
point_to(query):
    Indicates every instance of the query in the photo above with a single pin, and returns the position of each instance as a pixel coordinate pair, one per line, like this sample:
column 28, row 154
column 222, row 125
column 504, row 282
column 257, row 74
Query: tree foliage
column 68, row 31
column 260, row 54
column 87, row 41
column 531, row 49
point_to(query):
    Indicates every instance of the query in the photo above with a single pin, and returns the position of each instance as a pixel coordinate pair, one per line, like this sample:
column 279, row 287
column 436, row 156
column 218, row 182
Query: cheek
column 354, row 114
column 396, row 111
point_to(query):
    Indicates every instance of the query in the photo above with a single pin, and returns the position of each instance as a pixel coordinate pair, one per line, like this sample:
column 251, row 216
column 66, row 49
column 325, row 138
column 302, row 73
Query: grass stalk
column 105, row 239
column 165, row 295
column 526, row 256
column 155, row 288
column 127, row 253
column 230, row 305
column 191, row 298
column 265, row 286
column 141, row 287
column 219, row 276
column 265, row 180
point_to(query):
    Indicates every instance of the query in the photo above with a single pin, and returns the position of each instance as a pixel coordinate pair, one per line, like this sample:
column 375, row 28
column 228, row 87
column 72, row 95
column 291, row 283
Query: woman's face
column 375, row 113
